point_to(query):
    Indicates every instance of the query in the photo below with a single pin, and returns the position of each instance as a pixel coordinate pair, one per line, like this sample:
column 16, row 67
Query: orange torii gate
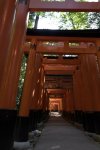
column 12, row 37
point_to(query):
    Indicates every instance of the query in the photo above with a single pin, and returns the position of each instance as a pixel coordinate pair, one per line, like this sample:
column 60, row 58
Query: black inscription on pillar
column 23, row 1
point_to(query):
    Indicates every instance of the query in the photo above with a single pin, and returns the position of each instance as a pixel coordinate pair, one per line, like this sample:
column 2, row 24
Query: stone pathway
column 60, row 135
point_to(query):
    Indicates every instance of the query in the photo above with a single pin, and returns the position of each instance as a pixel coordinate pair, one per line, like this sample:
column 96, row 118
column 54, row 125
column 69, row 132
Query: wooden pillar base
column 97, row 122
column 65, row 115
column 40, row 115
column 79, row 116
column 69, row 116
column 45, row 116
column 88, row 122
column 33, row 120
column 21, row 129
column 7, row 125
column 35, row 117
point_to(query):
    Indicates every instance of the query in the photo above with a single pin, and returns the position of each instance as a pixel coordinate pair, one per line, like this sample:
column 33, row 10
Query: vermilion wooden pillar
column 6, row 30
column 36, row 81
column 22, row 126
column 45, row 106
column 39, row 89
column 7, row 118
column 64, row 105
column 78, row 91
column 97, row 111
column 10, row 78
column 44, row 101
column 87, row 96
column 94, row 79
column 27, row 89
column 34, row 107
column 13, row 28
column 98, row 54
column 41, row 94
column 88, row 99
column 69, row 104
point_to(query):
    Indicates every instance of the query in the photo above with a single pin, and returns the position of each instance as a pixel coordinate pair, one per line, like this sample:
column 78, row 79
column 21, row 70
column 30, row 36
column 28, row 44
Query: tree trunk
column 36, row 22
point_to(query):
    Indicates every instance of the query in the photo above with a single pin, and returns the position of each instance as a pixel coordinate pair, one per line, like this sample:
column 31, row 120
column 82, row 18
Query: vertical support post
column 71, row 101
column 41, row 94
column 34, row 109
column 13, row 62
column 7, row 108
column 69, row 104
column 64, row 105
column 22, row 125
column 47, row 105
column 27, row 89
column 88, row 99
column 97, row 111
column 7, row 13
column 78, row 95
column 98, row 54
column 95, row 86
column 12, row 32
column 44, row 100
column 45, row 113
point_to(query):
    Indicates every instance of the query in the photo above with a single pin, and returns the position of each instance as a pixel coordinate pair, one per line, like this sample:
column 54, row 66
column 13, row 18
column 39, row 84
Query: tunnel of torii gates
column 52, row 81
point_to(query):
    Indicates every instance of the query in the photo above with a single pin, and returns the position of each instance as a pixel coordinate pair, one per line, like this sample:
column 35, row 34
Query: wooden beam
column 60, row 38
column 68, row 50
column 90, row 33
column 55, row 99
column 56, row 91
column 74, row 61
column 59, row 67
column 57, row 72
column 66, row 5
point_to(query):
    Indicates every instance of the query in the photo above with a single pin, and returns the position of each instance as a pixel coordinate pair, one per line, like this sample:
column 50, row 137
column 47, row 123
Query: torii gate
column 13, row 16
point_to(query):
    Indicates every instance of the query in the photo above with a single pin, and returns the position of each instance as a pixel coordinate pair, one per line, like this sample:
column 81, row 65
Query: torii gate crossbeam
column 65, row 5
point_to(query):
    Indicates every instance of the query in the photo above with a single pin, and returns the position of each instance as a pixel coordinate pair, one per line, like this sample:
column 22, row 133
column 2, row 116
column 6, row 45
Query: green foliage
column 94, row 20
column 21, row 80
column 67, row 20
column 73, row 20
column 31, row 20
